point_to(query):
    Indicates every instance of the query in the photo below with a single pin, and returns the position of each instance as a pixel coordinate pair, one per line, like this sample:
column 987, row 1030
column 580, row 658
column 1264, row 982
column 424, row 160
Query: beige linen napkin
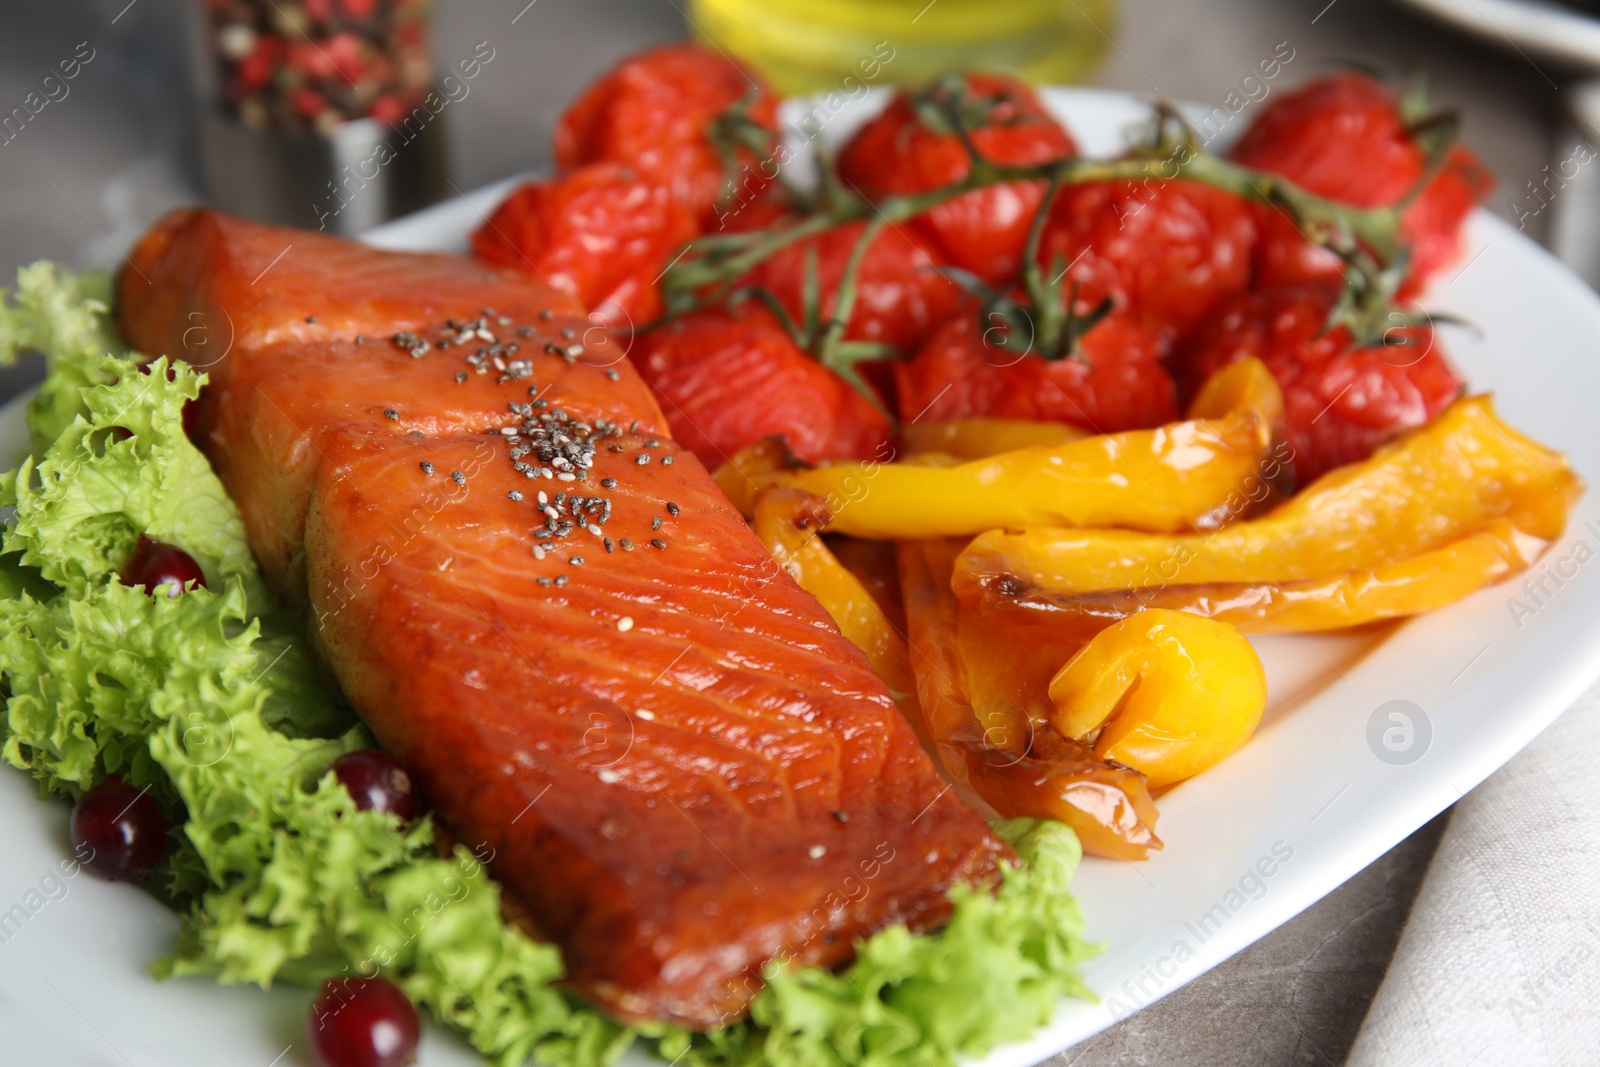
column 1500, row 960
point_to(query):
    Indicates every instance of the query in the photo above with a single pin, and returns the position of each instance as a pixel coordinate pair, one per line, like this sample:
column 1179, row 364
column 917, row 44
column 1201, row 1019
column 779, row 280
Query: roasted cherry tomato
column 911, row 148
column 1340, row 400
column 654, row 112
column 900, row 294
column 1345, row 138
column 728, row 379
column 1168, row 252
column 1115, row 382
column 601, row 233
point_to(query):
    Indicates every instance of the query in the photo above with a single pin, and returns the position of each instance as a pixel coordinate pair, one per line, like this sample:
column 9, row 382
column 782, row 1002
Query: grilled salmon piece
column 681, row 768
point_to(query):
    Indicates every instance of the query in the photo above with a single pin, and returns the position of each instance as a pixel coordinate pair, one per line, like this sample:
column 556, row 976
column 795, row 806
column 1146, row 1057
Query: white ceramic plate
column 1548, row 30
column 1308, row 803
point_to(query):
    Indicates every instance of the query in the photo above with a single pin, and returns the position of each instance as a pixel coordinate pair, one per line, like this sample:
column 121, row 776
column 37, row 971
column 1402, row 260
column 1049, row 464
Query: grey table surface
column 84, row 178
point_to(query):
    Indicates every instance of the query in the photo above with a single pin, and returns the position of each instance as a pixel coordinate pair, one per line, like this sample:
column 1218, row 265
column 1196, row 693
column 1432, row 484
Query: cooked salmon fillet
column 680, row 768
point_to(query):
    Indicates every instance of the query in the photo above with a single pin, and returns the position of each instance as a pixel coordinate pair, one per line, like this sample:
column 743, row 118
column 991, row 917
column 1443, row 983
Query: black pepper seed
column 561, row 579
column 609, row 546
column 652, row 443
column 627, row 545
column 655, row 523
column 666, row 461
column 461, row 375
column 656, row 542
column 547, row 314
column 311, row 320
column 546, row 581
column 841, row 816
column 390, row 413
column 458, row 477
column 576, row 561
column 361, row 339
column 643, row 460
column 515, row 494
column 524, row 331
column 608, row 483
column 427, row 468
column 613, row 375
column 673, row 509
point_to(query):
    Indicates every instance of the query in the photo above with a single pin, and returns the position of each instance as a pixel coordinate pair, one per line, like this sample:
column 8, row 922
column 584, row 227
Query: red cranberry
column 362, row 1022
column 155, row 565
column 118, row 831
column 378, row 783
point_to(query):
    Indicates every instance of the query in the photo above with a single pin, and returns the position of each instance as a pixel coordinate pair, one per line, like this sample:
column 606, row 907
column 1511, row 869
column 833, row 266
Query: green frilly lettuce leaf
column 214, row 702
column 62, row 316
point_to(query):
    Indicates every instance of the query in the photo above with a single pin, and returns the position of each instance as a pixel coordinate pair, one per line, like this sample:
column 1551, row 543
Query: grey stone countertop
column 91, row 171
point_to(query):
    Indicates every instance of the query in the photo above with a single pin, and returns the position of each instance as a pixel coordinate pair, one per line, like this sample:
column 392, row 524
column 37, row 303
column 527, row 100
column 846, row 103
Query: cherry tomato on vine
column 912, row 148
column 900, row 294
column 601, row 233
column 1345, row 138
column 727, row 379
column 1341, row 400
column 1114, row 382
column 653, row 112
column 1168, row 252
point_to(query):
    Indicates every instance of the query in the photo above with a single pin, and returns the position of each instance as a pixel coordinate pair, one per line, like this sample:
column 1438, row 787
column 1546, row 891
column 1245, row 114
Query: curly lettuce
column 215, row 703
column 62, row 316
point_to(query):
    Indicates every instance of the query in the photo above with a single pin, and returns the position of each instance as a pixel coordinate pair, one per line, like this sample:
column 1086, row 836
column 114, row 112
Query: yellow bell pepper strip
column 752, row 469
column 1017, row 767
column 1443, row 482
column 979, row 438
column 1175, row 477
column 789, row 522
column 1163, row 692
column 1421, row 583
column 874, row 566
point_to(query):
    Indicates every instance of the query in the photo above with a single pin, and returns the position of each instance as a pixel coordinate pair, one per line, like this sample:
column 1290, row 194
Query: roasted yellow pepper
column 1177, row 477
column 979, row 438
column 1450, row 480
column 752, row 469
column 789, row 522
column 1017, row 766
column 1164, row 692
column 1424, row 582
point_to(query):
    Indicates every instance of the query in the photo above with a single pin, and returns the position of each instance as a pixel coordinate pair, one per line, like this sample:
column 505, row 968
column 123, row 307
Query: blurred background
column 167, row 101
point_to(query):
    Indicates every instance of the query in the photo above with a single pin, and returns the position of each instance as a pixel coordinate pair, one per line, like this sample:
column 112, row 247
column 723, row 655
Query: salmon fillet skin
column 546, row 609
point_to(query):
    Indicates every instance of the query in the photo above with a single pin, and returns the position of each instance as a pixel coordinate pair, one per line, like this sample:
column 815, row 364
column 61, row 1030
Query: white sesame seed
column 610, row 777
column 646, row 714
column 817, row 852
column 625, row 623
column 538, row 553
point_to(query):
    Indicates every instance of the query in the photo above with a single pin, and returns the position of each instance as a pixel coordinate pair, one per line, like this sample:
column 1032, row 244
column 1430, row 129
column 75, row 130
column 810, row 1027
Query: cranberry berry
column 362, row 1022
column 378, row 783
column 155, row 565
column 118, row 831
